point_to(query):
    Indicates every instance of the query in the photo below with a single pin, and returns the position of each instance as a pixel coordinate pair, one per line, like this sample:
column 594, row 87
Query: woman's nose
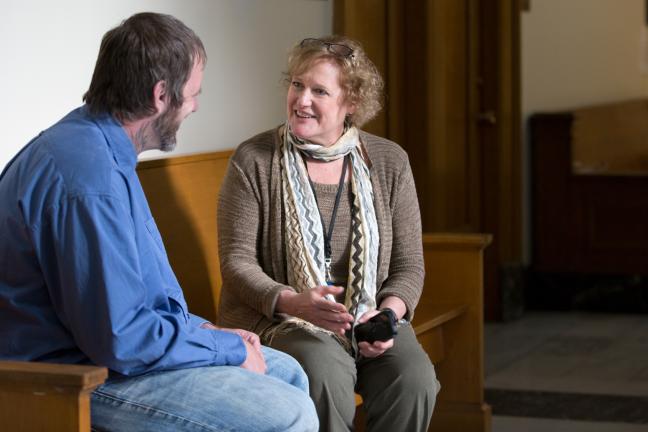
column 304, row 98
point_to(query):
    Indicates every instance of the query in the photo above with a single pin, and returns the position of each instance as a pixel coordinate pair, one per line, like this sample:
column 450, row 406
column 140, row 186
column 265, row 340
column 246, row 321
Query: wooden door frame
column 495, row 78
column 501, row 153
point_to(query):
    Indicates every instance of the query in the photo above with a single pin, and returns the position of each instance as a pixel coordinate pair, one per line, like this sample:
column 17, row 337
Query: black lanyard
column 328, row 235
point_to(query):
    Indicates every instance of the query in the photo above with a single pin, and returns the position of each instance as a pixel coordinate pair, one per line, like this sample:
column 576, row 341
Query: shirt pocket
column 152, row 228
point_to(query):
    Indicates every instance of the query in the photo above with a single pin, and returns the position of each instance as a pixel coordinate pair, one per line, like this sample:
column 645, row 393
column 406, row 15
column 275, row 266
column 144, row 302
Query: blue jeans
column 216, row 398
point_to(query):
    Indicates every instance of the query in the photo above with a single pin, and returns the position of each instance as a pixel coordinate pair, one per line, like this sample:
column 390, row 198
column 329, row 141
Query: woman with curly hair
column 320, row 231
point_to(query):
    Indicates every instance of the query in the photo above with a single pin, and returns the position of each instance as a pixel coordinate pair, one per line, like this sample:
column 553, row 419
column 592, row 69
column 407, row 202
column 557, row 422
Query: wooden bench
column 183, row 194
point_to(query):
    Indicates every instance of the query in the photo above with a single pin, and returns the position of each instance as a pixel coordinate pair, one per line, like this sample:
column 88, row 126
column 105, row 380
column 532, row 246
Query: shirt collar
column 120, row 144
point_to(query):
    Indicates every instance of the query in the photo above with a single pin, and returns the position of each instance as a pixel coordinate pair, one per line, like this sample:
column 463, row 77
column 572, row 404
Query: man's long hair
column 143, row 50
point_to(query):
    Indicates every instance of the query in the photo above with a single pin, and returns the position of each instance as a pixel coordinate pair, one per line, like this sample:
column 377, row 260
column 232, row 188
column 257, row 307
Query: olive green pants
column 398, row 388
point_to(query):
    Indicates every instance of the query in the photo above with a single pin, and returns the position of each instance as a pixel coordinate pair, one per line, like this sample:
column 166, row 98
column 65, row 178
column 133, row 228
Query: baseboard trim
column 568, row 406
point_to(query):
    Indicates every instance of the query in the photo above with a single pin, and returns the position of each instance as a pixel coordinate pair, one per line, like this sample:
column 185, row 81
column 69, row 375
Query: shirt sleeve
column 96, row 276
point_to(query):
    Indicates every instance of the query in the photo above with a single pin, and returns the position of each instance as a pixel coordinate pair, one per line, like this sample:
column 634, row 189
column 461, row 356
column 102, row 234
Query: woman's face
column 316, row 104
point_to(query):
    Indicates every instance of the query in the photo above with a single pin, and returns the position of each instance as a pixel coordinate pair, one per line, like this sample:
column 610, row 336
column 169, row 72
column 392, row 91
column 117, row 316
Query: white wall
column 577, row 53
column 581, row 52
column 48, row 50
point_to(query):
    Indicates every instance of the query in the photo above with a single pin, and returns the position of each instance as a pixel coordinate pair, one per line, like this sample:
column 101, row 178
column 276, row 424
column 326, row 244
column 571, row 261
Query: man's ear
column 160, row 98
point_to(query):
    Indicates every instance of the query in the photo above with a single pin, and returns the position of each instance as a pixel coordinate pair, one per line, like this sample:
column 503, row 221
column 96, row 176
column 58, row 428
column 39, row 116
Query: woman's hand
column 313, row 307
column 378, row 347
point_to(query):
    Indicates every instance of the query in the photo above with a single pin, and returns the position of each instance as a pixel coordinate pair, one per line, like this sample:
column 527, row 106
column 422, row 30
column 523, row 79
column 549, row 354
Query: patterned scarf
column 305, row 234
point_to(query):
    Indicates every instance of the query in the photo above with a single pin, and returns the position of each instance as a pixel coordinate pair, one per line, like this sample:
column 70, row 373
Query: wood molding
column 501, row 160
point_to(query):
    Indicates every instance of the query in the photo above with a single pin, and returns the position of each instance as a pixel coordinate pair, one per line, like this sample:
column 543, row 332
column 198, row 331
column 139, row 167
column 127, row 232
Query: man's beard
column 166, row 127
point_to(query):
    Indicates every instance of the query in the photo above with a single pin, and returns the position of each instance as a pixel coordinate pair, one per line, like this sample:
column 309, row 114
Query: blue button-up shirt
column 84, row 277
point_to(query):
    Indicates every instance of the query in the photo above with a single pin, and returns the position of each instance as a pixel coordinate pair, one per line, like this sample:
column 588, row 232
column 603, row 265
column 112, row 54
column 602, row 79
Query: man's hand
column 248, row 336
column 254, row 360
column 378, row 347
column 312, row 306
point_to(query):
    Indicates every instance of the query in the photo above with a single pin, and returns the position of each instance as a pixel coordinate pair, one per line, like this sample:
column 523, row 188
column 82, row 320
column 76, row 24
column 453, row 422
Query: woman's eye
column 296, row 84
column 321, row 92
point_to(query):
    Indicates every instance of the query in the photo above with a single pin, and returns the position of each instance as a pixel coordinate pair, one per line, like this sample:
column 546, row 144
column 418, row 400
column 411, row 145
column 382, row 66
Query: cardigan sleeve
column 406, row 266
column 240, row 216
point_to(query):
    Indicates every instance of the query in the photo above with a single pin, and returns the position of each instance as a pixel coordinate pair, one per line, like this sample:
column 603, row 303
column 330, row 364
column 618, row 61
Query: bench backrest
column 183, row 195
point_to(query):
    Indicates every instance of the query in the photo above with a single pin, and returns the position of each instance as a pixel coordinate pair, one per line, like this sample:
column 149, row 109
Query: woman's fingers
column 375, row 349
column 337, row 316
column 313, row 306
column 333, row 321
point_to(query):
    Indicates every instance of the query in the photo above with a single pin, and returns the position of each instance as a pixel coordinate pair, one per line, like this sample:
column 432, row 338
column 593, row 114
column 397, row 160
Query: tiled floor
column 545, row 361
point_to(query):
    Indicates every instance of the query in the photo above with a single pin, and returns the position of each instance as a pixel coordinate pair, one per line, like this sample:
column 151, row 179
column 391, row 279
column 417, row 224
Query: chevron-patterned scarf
column 304, row 231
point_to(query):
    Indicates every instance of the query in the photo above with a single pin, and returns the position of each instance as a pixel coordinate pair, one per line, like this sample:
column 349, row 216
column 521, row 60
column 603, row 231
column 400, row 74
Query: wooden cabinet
column 594, row 223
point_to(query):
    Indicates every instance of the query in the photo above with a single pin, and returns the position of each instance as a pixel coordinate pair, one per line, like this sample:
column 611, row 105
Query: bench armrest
column 47, row 397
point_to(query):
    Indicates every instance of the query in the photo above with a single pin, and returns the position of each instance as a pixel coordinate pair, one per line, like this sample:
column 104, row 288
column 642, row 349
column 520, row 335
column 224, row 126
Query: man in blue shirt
column 84, row 277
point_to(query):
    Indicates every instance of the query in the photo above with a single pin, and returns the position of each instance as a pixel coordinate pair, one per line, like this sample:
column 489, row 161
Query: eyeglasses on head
column 334, row 48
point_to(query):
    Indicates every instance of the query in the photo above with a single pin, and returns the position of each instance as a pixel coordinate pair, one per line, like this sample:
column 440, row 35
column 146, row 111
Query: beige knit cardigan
column 251, row 230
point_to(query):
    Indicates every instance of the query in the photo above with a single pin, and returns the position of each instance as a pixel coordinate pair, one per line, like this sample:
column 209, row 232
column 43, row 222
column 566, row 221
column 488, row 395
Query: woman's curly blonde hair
column 359, row 77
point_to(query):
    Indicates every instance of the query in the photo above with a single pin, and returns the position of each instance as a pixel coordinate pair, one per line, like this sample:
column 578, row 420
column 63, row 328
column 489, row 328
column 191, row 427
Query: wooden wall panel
column 423, row 50
column 366, row 21
column 453, row 103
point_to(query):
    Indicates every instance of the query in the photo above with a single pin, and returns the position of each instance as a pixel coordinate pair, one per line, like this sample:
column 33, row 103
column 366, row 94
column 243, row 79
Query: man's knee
column 303, row 413
column 265, row 403
column 290, row 408
column 286, row 368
